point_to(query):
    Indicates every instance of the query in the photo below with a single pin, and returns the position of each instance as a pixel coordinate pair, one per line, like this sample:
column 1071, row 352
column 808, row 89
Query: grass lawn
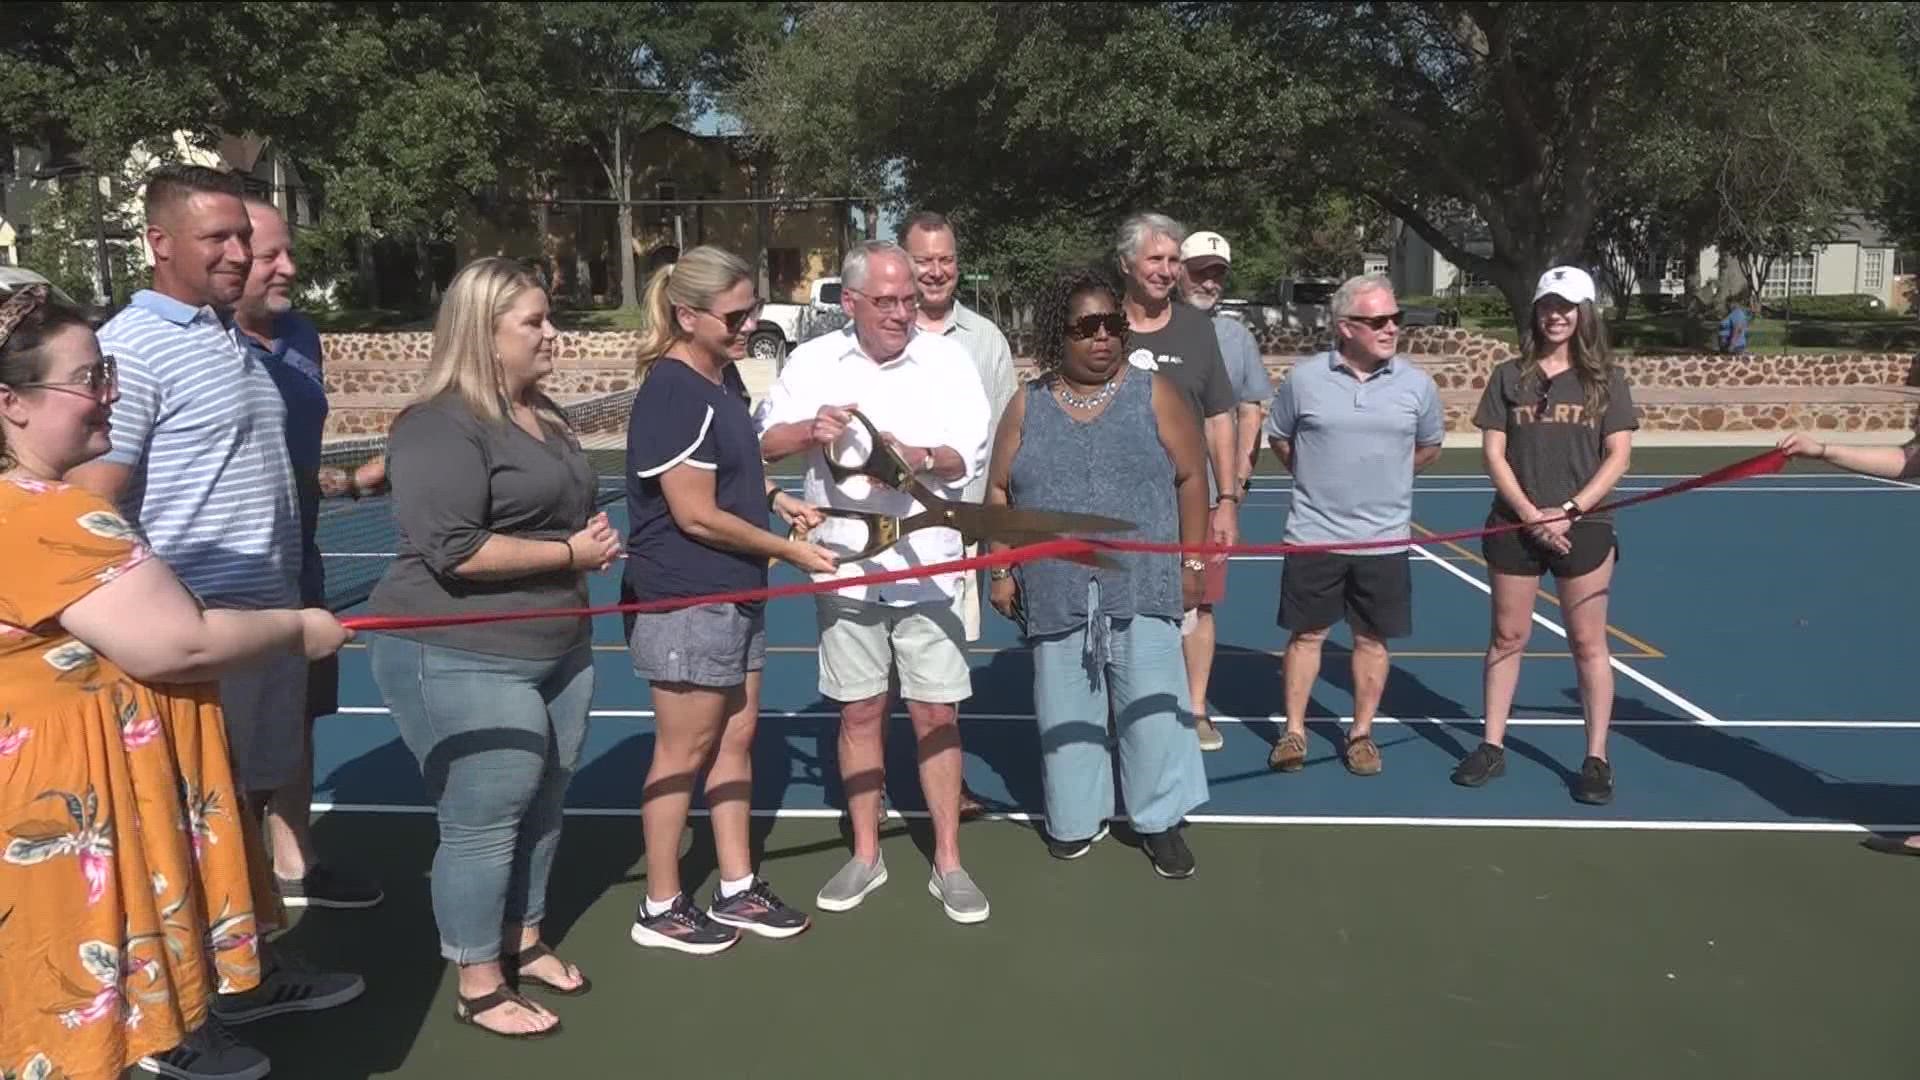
column 1644, row 332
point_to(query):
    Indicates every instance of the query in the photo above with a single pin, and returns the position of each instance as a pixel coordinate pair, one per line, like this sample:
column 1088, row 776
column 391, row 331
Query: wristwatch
column 926, row 463
column 1572, row 509
column 1000, row 573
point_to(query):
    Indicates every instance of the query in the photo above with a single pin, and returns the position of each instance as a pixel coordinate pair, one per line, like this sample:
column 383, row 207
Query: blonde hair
column 693, row 282
column 463, row 361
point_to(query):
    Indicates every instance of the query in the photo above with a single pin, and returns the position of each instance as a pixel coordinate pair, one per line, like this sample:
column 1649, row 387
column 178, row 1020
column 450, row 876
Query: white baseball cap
column 1570, row 283
column 1206, row 245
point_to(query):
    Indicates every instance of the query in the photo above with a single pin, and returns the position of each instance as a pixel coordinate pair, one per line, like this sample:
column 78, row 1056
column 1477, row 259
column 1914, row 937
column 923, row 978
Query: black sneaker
column 1072, row 849
column 289, row 985
column 1168, row 853
column 1486, row 762
column 328, row 888
column 758, row 911
column 684, row 928
column 209, row 1052
column 1595, row 785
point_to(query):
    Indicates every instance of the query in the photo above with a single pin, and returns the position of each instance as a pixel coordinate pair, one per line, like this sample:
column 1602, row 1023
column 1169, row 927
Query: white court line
column 1409, row 721
column 1888, row 480
column 1588, row 824
column 1671, row 697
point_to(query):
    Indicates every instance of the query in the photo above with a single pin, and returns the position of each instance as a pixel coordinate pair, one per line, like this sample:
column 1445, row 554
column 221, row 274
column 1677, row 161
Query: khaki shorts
column 265, row 707
column 862, row 643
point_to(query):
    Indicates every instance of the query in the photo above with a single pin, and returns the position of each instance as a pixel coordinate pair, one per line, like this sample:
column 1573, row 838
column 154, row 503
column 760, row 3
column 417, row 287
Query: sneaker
column 845, row 890
column 955, row 890
column 326, row 887
column 1210, row 738
column 1072, row 849
column 683, row 928
column 758, row 911
column 290, row 985
column 1486, row 762
column 209, row 1052
column 1168, row 853
column 1595, row 785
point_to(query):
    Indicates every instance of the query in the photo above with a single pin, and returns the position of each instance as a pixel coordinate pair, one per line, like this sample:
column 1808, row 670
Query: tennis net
column 357, row 537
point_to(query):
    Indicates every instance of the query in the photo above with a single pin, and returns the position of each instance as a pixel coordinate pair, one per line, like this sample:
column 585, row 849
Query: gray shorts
column 265, row 708
column 710, row 645
column 861, row 644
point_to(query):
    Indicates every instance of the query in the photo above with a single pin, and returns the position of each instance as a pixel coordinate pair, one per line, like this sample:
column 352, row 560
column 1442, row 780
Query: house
column 1857, row 259
column 30, row 173
column 692, row 190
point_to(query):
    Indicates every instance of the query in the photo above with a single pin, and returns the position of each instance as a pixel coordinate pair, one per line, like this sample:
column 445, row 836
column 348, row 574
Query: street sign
column 976, row 278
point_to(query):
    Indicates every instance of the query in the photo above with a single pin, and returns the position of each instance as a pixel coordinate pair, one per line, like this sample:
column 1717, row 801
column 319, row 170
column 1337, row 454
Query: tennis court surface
column 1717, row 919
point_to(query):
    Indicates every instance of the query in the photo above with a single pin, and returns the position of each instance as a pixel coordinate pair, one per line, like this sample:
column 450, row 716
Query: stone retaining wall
column 370, row 375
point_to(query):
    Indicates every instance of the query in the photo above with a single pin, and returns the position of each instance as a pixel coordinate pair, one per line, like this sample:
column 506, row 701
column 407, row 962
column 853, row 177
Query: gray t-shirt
column 1188, row 354
column 458, row 479
column 1241, row 353
column 1353, row 440
column 1552, row 446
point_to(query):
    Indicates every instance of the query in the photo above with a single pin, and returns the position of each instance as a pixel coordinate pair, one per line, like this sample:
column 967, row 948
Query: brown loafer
column 1289, row 754
column 1363, row 757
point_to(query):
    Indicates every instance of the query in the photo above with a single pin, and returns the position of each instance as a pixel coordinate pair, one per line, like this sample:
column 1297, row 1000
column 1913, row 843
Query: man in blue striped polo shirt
column 199, row 464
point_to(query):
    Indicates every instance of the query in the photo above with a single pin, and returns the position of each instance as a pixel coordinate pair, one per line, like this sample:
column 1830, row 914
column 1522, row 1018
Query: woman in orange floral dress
column 126, row 895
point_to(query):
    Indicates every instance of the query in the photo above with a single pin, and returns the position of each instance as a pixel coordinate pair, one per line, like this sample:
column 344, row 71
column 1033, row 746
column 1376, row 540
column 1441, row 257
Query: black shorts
column 1374, row 593
column 1514, row 552
column 323, row 687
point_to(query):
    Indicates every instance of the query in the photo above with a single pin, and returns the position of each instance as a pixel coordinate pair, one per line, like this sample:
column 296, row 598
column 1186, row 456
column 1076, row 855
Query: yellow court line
column 1647, row 652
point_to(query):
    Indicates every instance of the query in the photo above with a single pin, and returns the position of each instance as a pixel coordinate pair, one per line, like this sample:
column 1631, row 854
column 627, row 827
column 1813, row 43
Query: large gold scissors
column 976, row 524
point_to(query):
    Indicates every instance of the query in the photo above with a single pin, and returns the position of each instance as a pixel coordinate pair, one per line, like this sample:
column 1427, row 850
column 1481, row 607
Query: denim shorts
column 710, row 645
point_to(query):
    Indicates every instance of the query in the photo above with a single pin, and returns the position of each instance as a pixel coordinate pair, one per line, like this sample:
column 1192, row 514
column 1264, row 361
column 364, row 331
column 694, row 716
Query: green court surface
column 1718, row 919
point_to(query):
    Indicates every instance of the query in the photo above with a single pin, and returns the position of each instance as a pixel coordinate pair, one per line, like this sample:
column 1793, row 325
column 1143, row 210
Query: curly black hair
column 1055, row 302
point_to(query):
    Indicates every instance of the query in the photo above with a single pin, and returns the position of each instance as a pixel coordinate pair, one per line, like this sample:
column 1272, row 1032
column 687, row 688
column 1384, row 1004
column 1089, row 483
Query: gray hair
column 853, row 271
column 1137, row 229
column 1342, row 303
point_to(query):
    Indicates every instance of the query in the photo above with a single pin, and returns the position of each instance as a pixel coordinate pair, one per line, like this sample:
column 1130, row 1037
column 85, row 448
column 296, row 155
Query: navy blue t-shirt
column 681, row 417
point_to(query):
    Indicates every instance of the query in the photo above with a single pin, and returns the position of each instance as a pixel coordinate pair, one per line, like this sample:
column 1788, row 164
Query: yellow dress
column 127, row 880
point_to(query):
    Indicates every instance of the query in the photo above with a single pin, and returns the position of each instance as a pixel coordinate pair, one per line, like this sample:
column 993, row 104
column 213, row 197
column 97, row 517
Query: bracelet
column 1229, row 496
column 1198, row 566
column 570, row 556
column 772, row 494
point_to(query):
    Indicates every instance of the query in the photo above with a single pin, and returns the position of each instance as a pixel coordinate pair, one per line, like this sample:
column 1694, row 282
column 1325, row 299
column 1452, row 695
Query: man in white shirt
column 921, row 392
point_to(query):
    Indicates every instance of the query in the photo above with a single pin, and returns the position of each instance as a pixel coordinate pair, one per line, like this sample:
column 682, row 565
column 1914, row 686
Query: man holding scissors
column 922, row 394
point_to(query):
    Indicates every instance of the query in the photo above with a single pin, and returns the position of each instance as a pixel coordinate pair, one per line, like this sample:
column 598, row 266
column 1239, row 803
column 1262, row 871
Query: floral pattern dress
column 128, row 884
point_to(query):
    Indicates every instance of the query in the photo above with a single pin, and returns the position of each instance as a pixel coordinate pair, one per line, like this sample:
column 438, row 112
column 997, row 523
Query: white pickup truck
column 783, row 326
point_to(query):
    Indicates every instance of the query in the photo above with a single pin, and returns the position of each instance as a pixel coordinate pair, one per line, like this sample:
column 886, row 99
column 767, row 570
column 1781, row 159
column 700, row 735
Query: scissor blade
column 1019, row 522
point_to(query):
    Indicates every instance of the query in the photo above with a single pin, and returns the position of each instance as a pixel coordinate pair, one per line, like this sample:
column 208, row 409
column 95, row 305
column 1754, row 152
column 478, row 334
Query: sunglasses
column 1375, row 322
column 734, row 320
column 1086, row 326
column 100, row 376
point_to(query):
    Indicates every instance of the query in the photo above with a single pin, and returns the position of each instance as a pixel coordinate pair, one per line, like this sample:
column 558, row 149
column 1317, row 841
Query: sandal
column 469, row 1011
column 539, row 951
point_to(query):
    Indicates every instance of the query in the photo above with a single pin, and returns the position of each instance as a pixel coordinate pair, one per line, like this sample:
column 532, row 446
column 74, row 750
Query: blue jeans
column 1140, row 661
column 497, row 740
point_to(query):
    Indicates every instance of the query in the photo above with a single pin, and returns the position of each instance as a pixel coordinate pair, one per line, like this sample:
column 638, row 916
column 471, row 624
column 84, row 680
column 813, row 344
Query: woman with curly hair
column 1095, row 435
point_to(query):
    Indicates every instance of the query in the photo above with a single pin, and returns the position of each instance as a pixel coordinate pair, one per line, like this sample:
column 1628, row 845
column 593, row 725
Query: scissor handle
column 883, row 531
column 894, row 472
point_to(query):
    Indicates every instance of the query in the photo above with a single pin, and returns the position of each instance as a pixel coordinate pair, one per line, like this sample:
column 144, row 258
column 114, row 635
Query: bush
column 1845, row 306
column 1486, row 307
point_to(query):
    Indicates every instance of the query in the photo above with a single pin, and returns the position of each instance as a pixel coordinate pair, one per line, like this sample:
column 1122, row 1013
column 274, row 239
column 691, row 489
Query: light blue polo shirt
column 1353, row 441
column 202, row 425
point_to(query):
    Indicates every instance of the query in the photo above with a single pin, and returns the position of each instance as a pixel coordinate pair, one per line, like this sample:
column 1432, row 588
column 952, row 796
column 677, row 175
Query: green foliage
column 64, row 250
column 1843, row 306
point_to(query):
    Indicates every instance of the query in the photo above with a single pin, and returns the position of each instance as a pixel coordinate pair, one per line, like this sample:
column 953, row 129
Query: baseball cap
column 1570, row 283
column 1206, row 245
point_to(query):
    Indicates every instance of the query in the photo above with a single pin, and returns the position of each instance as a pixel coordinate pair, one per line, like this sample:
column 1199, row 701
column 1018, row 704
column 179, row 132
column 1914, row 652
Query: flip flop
column 538, row 952
column 469, row 1010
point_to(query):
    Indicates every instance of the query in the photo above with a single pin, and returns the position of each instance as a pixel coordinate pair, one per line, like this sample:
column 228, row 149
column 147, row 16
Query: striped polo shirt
column 202, row 425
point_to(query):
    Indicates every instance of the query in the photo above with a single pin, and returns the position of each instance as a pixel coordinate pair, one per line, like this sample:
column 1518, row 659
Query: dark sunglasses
column 1087, row 326
column 734, row 320
column 100, row 376
column 1375, row 322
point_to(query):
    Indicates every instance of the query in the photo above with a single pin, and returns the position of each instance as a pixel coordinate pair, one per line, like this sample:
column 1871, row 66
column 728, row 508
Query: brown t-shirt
column 1552, row 446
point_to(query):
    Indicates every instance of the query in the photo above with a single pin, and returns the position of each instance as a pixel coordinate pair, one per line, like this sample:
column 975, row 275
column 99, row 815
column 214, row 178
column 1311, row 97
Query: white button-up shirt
column 929, row 396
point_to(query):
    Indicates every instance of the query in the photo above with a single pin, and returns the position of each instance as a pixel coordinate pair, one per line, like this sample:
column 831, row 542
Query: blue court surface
column 1762, row 683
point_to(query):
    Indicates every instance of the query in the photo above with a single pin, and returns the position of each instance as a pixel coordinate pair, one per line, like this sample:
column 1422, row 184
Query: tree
column 617, row 69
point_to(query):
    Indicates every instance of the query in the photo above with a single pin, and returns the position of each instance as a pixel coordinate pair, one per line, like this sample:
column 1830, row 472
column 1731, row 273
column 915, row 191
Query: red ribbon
column 1761, row 465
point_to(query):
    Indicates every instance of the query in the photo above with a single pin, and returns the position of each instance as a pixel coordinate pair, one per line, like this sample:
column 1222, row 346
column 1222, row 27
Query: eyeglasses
column 100, row 376
column 1375, row 322
column 888, row 305
column 734, row 320
column 1086, row 326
